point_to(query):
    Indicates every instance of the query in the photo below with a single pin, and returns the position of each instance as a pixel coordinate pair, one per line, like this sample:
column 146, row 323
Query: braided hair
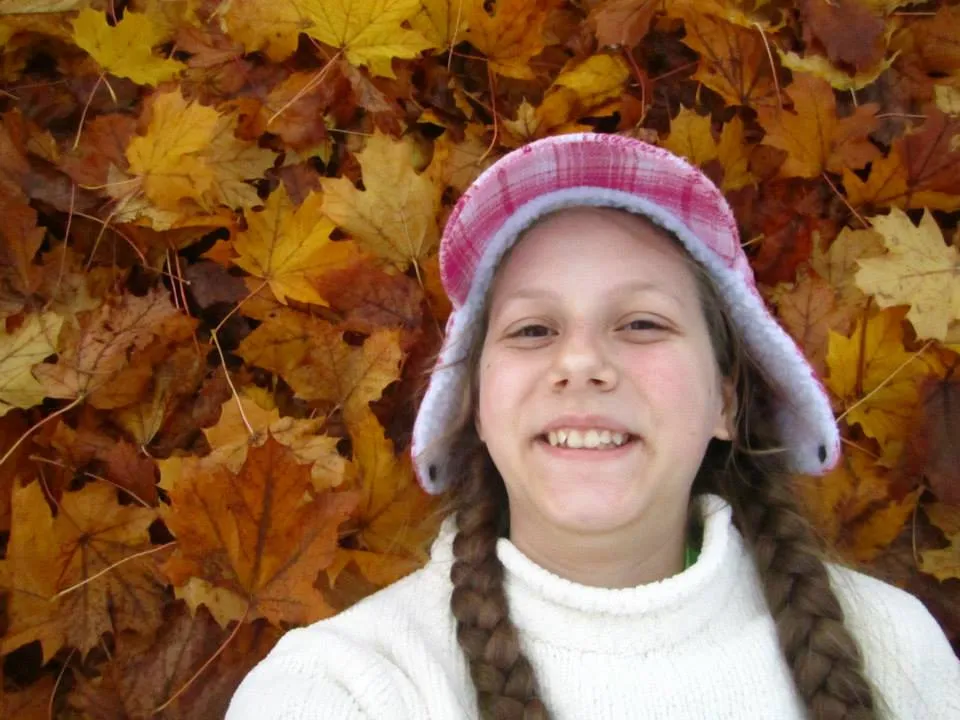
column 749, row 472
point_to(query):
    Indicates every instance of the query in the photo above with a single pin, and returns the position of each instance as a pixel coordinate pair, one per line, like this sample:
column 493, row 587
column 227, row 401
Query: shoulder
column 906, row 653
column 364, row 663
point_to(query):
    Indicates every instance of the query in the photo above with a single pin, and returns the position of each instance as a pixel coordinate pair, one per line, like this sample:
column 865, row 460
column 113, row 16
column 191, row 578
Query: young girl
column 616, row 419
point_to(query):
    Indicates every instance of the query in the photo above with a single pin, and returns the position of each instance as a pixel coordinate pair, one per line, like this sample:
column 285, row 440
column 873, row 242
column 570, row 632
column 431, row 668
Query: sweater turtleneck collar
column 716, row 594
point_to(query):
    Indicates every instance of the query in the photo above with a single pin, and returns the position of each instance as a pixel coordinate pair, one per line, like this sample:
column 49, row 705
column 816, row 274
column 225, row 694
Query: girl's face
column 595, row 323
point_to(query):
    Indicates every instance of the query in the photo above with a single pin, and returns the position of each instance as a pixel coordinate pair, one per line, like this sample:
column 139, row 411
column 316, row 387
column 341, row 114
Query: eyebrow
column 642, row 286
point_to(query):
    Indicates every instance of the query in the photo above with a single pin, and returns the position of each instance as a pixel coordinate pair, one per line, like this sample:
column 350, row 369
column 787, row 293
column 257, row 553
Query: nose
column 582, row 360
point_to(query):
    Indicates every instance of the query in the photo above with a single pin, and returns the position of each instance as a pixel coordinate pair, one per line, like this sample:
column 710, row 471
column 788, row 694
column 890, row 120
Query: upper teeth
column 585, row 438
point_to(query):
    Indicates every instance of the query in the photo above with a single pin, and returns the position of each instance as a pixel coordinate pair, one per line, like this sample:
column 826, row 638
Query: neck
column 656, row 542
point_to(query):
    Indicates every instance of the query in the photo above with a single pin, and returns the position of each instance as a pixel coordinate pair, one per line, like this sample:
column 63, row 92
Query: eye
column 528, row 331
column 643, row 324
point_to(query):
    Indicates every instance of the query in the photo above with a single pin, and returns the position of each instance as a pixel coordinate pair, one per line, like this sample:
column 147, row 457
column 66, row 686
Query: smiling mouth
column 601, row 447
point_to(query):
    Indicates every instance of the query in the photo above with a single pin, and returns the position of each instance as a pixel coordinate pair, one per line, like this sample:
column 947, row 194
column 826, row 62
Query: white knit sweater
column 700, row 644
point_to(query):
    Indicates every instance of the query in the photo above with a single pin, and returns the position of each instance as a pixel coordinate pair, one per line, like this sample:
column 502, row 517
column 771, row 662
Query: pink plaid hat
column 606, row 170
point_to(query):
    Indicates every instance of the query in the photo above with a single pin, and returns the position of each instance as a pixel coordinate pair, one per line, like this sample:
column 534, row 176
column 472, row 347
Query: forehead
column 596, row 251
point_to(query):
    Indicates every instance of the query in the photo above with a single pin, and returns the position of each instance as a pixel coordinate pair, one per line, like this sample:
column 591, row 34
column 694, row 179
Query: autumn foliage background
column 219, row 290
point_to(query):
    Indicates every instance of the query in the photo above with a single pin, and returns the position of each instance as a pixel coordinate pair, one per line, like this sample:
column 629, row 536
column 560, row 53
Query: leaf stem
column 39, row 424
column 83, row 116
column 223, row 360
column 850, row 207
column 203, row 667
column 313, row 82
column 886, row 380
column 111, row 567
column 61, row 464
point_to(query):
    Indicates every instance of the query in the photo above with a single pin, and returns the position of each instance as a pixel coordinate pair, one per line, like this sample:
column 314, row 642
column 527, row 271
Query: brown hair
column 750, row 473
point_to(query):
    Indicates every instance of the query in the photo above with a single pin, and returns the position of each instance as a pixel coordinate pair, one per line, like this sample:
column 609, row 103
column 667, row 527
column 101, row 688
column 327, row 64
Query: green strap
column 692, row 550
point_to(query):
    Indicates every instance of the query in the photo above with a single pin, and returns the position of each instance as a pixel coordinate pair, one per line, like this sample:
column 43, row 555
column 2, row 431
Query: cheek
column 677, row 385
column 503, row 388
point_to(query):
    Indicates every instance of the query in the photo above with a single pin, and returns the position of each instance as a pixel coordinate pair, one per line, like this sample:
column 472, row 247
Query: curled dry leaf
column 311, row 355
column 97, row 349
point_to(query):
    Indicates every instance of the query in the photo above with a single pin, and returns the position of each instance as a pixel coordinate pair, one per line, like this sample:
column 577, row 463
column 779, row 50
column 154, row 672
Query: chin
column 591, row 511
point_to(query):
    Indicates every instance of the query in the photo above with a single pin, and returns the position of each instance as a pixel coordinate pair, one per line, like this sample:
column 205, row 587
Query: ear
column 726, row 427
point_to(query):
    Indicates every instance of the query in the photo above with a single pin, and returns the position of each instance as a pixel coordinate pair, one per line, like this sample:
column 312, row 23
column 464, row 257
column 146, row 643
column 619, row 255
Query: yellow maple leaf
column 919, row 270
column 368, row 31
column 690, row 136
column 734, row 154
column 169, row 16
column 591, row 88
column 190, row 152
column 875, row 378
column 273, row 27
column 396, row 216
column 814, row 138
column 125, row 49
column 19, row 352
column 442, row 22
column 510, row 37
column 166, row 157
column 232, row 161
column 289, row 247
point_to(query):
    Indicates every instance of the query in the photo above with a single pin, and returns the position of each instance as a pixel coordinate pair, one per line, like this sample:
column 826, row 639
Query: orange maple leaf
column 511, row 36
column 74, row 577
column 290, row 247
column 395, row 519
column 734, row 60
column 263, row 534
column 921, row 170
column 855, row 508
column 312, row 357
column 814, row 138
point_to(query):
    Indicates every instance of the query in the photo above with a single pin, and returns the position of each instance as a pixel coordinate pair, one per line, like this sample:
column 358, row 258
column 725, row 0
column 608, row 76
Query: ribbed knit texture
column 700, row 644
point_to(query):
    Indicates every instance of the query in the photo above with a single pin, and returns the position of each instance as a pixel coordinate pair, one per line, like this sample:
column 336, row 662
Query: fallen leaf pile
column 219, row 290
